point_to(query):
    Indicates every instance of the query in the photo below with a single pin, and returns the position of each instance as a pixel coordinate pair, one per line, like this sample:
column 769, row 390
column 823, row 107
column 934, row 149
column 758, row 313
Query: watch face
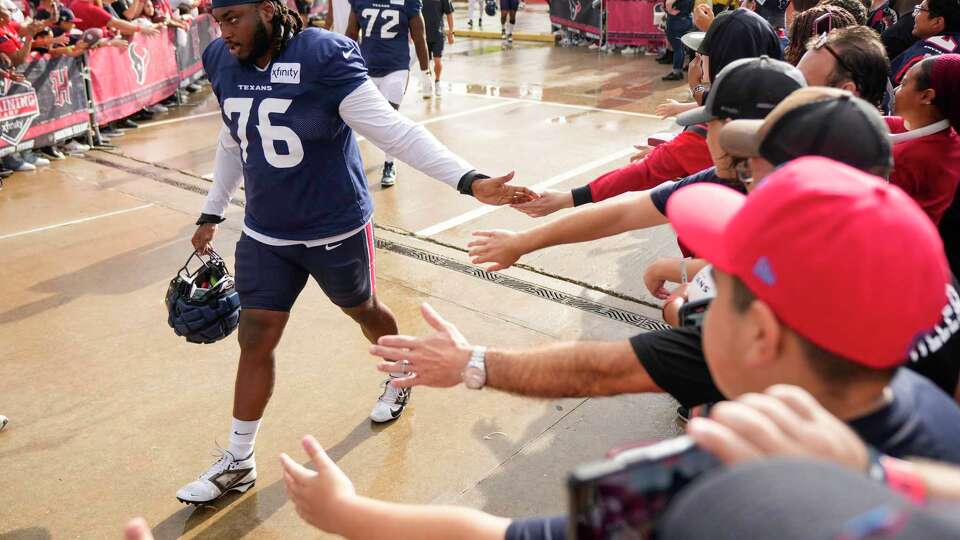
column 473, row 378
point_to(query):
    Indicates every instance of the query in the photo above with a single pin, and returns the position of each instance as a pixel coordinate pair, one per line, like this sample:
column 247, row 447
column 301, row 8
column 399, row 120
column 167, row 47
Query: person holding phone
column 812, row 23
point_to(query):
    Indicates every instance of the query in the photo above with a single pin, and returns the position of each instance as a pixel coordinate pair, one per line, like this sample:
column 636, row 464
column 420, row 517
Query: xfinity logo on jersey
column 288, row 73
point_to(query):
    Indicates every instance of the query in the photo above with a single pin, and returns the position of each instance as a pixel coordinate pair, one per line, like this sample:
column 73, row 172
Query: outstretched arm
column 368, row 113
column 325, row 498
column 626, row 213
column 569, row 369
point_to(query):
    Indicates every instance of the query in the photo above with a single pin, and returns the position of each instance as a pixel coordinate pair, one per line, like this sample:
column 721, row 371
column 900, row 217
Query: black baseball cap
column 815, row 121
column 737, row 34
column 748, row 88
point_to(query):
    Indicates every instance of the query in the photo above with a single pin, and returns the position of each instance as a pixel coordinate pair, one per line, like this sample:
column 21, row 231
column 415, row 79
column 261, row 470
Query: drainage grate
column 553, row 295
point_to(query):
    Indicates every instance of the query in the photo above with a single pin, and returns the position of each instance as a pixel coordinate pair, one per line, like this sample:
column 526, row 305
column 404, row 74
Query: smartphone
column 691, row 313
column 823, row 24
column 623, row 498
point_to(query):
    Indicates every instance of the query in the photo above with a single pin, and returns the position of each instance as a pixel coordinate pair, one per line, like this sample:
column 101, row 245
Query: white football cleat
column 391, row 404
column 226, row 475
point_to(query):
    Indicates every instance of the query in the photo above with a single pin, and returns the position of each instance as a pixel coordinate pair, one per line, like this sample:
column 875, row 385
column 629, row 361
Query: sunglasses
column 822, row 43
column 917, row 9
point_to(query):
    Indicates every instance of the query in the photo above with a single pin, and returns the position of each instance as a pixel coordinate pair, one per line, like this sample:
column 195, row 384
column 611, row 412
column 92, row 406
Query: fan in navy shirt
column 290, row 100
column 937, row 27
column 384, row 29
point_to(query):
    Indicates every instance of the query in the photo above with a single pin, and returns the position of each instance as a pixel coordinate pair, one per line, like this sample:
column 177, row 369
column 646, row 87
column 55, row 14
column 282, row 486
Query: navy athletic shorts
column 435, row 48
column 509, row 5
column 271, row 277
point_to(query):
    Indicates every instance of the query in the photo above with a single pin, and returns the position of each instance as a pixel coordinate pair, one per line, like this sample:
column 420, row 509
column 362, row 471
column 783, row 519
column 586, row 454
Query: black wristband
column 465, row 186
column 210, row 218
column 582, row 195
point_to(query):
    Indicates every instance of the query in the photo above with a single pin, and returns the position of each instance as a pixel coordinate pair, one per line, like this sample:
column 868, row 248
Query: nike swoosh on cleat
column 330, row 247
column 396, row 412
column 241, row 434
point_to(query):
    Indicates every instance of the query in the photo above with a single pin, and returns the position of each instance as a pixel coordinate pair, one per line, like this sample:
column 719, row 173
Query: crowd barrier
column 62, row 97
column 578, row 15
column 617, row 22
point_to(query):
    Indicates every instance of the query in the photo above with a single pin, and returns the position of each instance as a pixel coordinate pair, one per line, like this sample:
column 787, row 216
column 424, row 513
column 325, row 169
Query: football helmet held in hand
column 203, row 306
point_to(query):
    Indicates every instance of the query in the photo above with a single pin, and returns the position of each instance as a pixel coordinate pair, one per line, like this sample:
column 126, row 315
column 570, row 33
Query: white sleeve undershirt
column 227, row 174
column 368, row 113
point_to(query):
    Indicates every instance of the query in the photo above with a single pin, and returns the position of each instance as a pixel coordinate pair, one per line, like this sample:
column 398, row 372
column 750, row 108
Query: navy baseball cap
column 748, row 88
column 737, row 34
column 66, row 15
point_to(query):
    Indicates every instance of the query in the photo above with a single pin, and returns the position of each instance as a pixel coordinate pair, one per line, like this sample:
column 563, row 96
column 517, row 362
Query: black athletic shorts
column 435, row 48
column 674, row 360
column 271, row 277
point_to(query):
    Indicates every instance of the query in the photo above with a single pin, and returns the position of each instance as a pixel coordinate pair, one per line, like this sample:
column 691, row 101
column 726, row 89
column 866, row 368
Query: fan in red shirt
column 685, row 154
column 91, row 15
column 15, row 47
column 926, row 152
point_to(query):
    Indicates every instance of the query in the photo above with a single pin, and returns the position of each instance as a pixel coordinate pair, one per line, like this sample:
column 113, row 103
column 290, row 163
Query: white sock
column 243, row 434
column 509, row 29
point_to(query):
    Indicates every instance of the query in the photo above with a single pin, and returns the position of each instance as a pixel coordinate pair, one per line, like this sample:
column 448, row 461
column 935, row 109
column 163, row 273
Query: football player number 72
column 269, row 133
column 391, row 16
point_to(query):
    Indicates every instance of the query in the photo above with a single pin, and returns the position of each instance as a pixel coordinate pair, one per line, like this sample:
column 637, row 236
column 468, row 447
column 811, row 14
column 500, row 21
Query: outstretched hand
column 435, row 360
column 497, row 192
column 500, row 247
column 321, row 496
column 549, row 202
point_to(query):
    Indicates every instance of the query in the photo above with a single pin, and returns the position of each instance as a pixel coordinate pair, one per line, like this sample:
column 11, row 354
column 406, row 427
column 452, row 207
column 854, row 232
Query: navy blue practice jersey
column 923, row 48
column 302, row 171
column 385, row 33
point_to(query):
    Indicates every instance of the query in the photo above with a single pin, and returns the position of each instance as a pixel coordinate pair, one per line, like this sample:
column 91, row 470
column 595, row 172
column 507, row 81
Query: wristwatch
column 475, row 374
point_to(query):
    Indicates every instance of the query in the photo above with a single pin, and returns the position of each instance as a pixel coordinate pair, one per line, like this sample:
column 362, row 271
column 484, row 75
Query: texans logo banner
column 577, row 15
column 46, row 108
column 126, row 81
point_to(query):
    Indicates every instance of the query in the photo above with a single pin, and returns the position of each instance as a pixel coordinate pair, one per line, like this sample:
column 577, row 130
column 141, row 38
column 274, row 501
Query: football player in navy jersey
column 290, row 101
column 384, row 29
column 937, row 25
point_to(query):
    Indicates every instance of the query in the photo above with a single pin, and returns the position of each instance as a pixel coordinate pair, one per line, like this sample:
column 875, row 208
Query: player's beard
column 261, row 42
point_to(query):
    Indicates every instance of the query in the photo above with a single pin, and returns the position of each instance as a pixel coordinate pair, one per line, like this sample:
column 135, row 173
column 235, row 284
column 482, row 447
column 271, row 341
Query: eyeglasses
column 823, row 44
column 917, row 9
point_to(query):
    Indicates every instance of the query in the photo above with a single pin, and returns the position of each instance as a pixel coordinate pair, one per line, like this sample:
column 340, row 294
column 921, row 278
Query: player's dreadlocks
column 286, row 24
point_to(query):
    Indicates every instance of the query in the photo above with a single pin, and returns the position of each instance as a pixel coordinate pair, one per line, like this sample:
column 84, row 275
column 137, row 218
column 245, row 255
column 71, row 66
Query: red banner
column 630, row 22
column 125, row 81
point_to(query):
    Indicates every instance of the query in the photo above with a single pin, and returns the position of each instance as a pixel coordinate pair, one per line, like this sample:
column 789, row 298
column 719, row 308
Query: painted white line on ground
column 76, row 221
column 565, row 105
column 175, row 120
column 550, row 182
column 454, row 115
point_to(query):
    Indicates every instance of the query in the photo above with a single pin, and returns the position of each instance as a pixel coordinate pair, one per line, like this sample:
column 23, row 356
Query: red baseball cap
column 843, row 258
